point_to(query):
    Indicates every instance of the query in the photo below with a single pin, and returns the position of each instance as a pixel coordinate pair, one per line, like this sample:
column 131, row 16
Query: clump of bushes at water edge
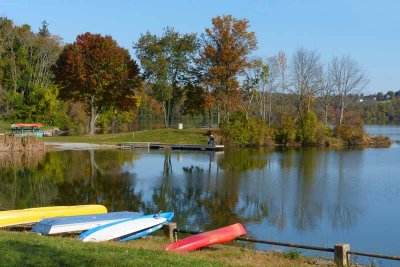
column 352, row 134
column 306, row 130
column 241, row 131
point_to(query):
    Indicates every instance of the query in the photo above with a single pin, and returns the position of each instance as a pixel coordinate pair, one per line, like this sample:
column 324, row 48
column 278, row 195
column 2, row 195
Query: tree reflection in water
column 252, row 186
column 286, row 188
column 317, row 189
column 209, row 198
column 71, row 178
column 21, row 185
column 104, row 182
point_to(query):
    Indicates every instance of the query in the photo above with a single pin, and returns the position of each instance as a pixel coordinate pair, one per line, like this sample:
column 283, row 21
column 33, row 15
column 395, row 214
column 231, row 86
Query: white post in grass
column 341, row 255
column 169, row 230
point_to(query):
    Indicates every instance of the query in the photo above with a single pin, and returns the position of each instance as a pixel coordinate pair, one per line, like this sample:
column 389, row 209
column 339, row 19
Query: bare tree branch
column 347, row 78
column 306, row 77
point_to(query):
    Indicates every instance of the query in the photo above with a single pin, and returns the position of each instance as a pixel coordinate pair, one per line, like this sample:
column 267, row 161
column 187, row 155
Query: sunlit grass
column 4, row 126
column 185, row 136
column 25, row 249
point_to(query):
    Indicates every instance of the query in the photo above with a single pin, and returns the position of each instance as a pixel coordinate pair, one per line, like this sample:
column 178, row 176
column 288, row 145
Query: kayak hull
column 75, row 224
column 122, row 230
column 218, row 236
column 33, row 215
column 142, row 233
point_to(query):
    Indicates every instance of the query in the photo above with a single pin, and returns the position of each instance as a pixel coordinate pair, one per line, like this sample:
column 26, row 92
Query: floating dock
column 133, row 145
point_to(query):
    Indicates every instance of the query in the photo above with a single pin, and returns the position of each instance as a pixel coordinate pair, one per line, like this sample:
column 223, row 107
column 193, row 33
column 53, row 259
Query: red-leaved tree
column 98, row 72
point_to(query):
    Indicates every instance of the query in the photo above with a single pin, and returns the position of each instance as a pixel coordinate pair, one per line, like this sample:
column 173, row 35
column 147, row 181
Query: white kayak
column 124, row 229
column 75, row 224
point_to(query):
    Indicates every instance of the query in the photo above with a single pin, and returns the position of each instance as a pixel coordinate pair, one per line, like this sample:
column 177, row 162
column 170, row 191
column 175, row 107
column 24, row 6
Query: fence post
column 341, row 255
column 169, row 230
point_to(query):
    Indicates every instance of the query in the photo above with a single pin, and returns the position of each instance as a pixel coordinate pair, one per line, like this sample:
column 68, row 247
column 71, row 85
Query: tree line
column 213, row 75
column 379, row 108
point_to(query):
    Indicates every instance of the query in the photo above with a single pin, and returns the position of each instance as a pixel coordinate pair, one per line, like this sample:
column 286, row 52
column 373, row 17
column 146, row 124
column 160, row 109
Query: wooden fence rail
column 395, row 258
column 341, row 251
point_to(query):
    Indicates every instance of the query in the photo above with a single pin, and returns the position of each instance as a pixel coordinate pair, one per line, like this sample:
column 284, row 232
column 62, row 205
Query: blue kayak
column 167, row 215
column 73, row 224
column 127, row 229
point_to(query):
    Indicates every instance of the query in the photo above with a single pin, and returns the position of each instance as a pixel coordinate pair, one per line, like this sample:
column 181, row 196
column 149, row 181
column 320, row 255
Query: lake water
column 392, row 131
column 308, row 196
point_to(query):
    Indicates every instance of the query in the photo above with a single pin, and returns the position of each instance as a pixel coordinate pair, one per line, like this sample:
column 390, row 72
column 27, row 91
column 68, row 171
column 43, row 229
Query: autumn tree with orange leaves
column 224, row 54
column 98, row 72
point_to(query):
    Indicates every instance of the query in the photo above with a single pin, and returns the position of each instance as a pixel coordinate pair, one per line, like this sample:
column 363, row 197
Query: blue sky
column 367, row 30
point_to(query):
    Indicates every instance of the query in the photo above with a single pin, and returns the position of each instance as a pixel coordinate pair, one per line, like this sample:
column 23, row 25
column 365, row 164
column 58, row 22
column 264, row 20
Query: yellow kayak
column 28, row 216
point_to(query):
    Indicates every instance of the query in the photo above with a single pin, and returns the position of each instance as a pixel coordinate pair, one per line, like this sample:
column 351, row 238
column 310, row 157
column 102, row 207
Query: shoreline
column 197, row 137
column 61, row 146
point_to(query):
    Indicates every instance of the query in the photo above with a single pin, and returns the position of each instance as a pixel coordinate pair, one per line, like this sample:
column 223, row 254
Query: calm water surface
column 392, row 131
column 309, row 196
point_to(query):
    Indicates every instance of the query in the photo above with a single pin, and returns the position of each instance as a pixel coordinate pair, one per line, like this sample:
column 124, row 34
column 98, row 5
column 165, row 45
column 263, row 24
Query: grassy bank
column 23, row 249
column 18, row 249
column 186, row 136
column 4, row 126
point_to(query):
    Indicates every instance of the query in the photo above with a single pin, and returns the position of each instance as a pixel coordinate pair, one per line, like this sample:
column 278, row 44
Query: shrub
column 351, row 131
column 78, row 120
column 308, row 128
column 324, row 136
column 293, row 254
column 381, row 141
column 113, row 119
column 261, row 134
column 235, row 131
column 245, row 132
column 287, row 130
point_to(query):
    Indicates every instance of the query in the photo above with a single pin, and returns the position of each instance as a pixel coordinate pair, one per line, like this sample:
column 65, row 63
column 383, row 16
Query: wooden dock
column 133, row 145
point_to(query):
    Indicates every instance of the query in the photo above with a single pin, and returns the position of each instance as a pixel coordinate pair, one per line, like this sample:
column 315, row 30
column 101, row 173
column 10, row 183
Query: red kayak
column 221, row 235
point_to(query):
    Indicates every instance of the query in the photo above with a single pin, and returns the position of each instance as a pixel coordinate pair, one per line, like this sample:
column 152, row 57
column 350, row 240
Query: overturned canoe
column 74, row 224
column 218, row 236
column 127, row 229
column 33, row 215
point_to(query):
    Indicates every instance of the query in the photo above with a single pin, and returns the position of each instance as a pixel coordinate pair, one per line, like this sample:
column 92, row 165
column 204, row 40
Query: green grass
column 24, row 249
column 186, row 136
column 4, row 126
column 293, row 254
